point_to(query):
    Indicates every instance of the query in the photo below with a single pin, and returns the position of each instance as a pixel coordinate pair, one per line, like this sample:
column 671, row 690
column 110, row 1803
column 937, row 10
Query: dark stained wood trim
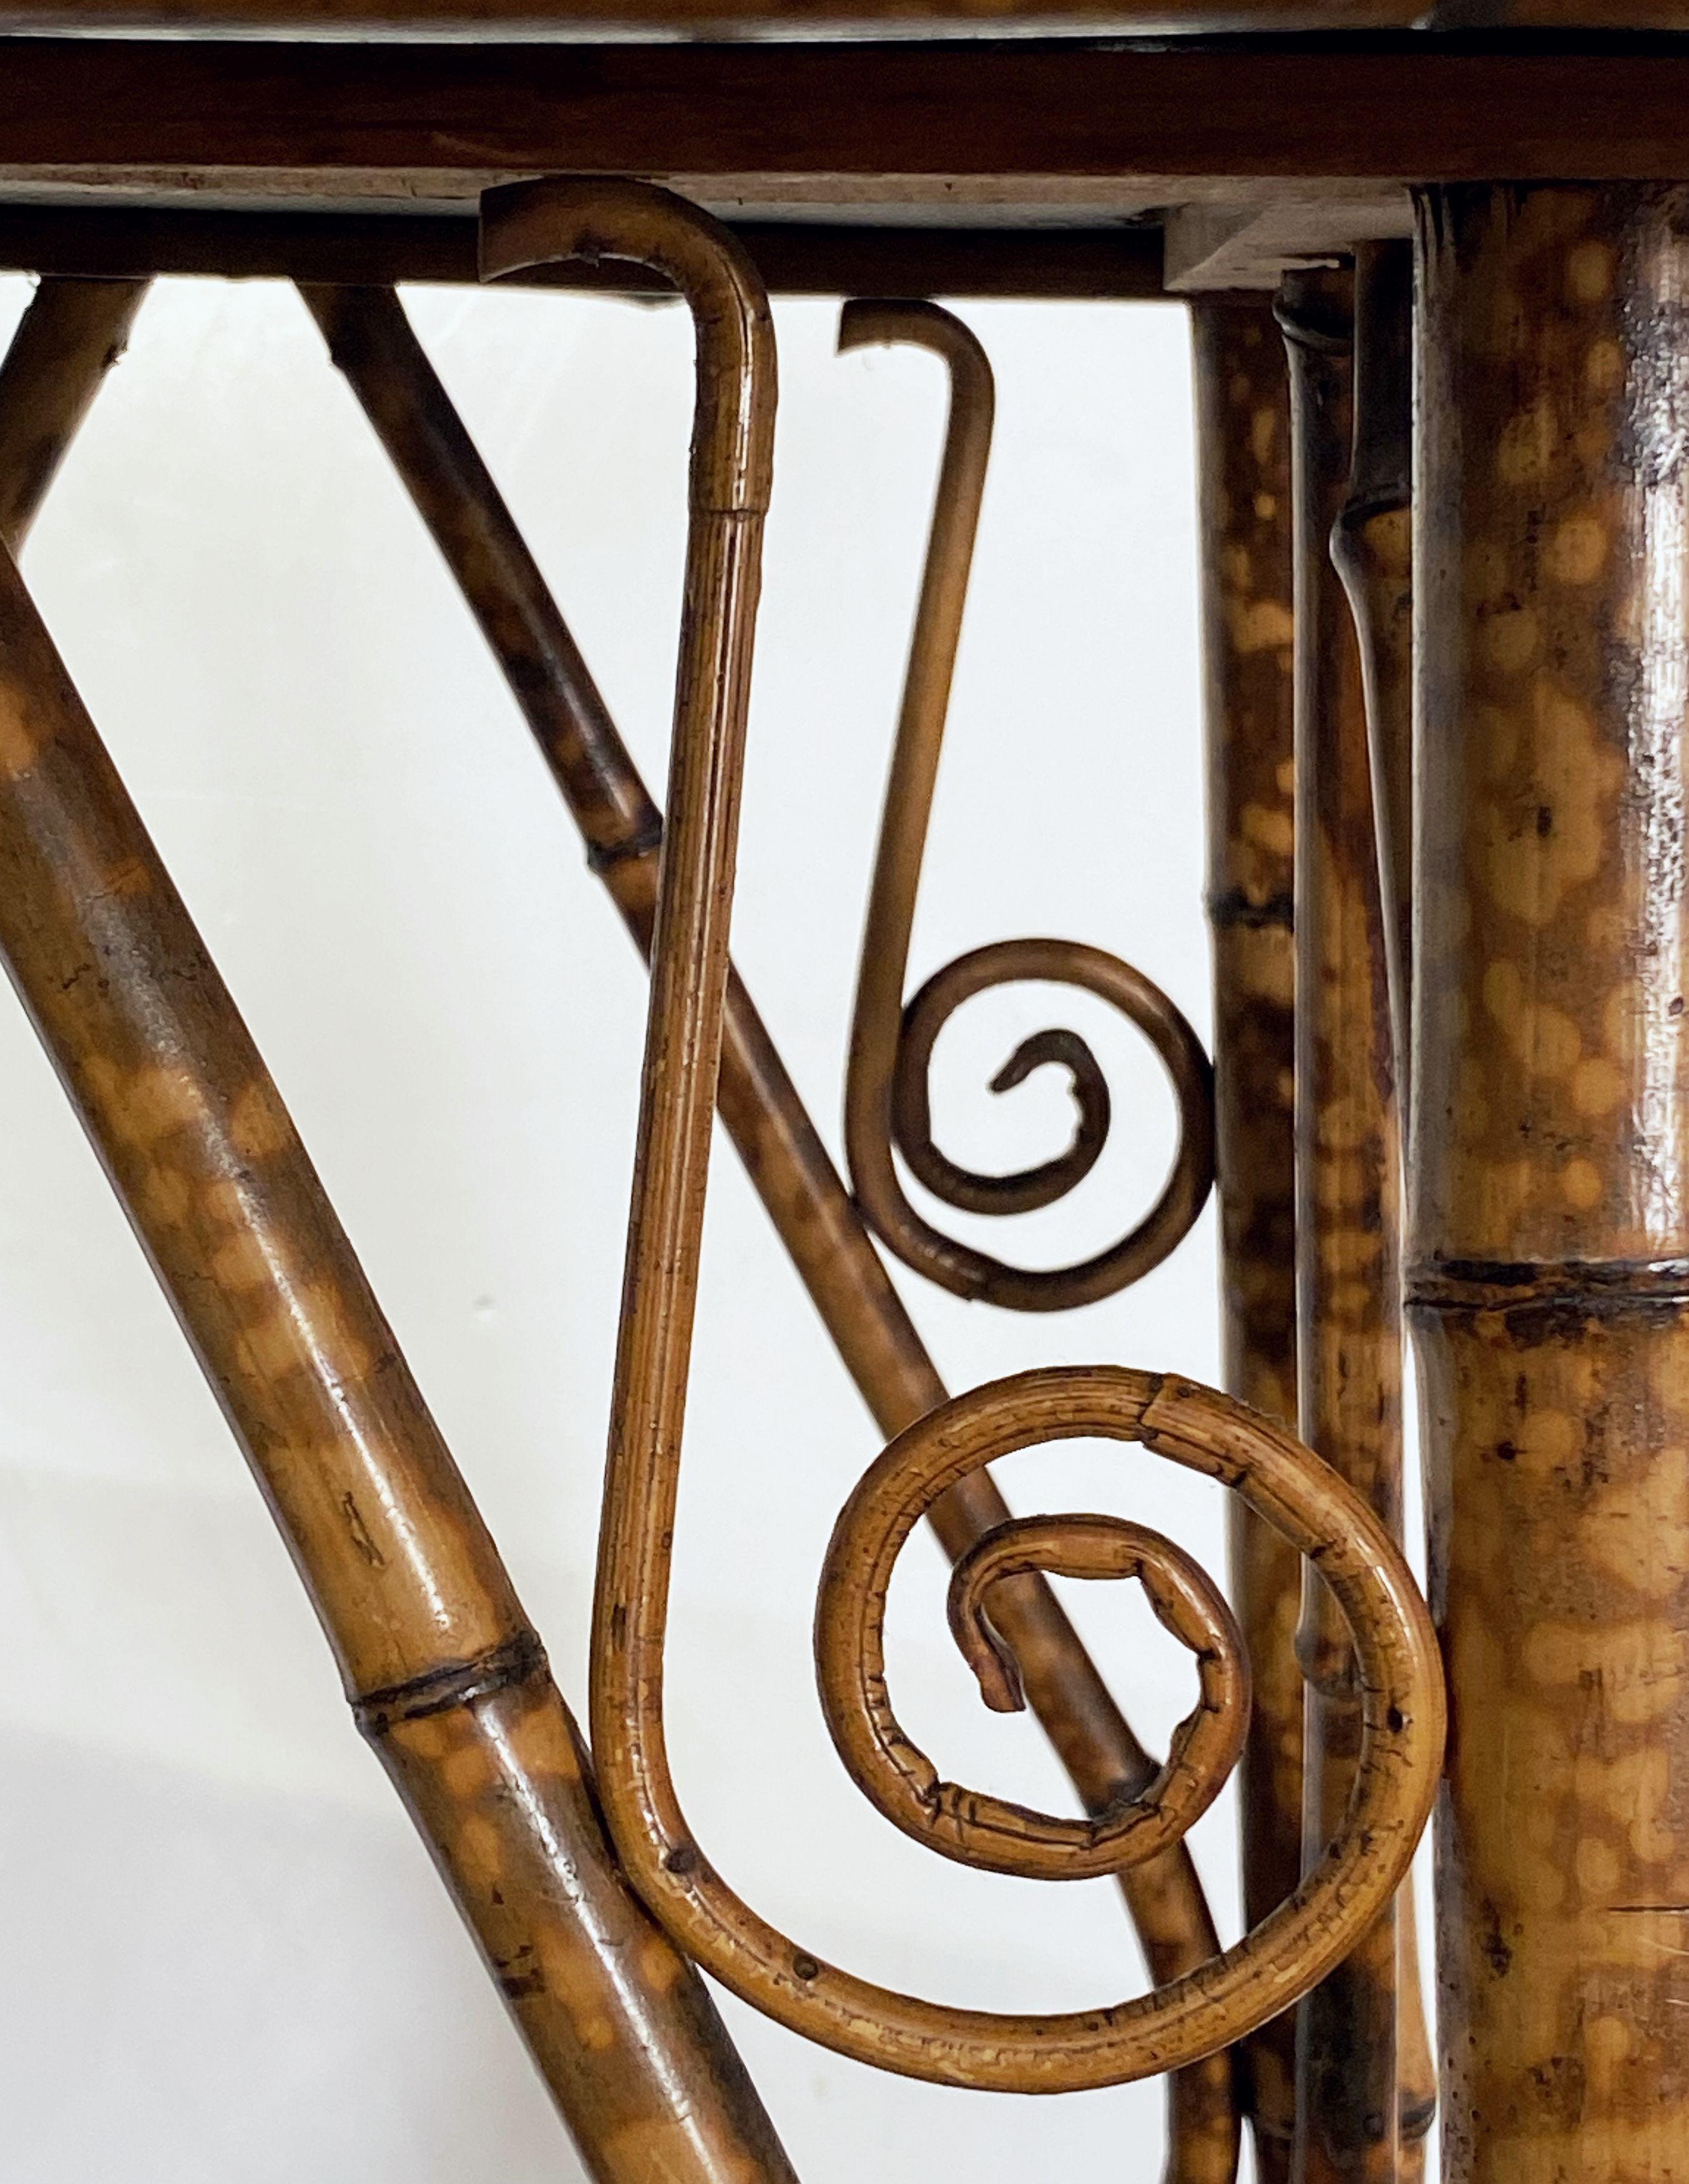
column 1420, row 109
column 795, row 257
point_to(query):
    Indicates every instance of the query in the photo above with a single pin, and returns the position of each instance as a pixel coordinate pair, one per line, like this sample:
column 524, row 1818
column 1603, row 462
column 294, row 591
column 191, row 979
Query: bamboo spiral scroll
column 1401, row 1738
column 891, row 1046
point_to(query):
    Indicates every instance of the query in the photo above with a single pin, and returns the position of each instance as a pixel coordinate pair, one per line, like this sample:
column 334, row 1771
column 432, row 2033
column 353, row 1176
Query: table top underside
column 1303, row 143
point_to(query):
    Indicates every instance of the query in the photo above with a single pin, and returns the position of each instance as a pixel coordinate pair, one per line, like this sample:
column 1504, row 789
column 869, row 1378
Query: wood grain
column 325, row 114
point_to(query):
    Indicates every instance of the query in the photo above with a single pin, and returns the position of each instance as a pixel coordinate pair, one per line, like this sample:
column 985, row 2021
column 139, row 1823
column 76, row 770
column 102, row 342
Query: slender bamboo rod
column 1347, row 1257
column 1243, row 444
column 1400, row 1755
column 371, row 342
column 1549, row 1216
column 886, row 1099
column 1371, row 547
column 70, row 336
column 444, row 1675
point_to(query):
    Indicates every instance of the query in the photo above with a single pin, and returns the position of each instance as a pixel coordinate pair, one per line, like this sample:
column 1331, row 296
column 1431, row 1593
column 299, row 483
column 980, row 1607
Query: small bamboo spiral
column 891, row 1046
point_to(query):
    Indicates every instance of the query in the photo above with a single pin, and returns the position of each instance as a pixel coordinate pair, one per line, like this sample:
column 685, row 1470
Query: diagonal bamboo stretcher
column 71, row 335
column 373, row 343
column 445, row 1675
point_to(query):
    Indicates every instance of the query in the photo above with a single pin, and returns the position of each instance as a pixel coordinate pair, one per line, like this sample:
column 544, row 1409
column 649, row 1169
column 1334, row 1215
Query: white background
column 223, row 1953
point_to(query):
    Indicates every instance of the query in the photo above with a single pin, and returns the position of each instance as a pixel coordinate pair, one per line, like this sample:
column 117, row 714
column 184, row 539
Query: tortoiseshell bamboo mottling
column 1372, row 548
column 1243, row 450
column 1549, row 1216
column 445, row 1674
column 371, row 341
column 1401, row 1749
column 1348, row 1183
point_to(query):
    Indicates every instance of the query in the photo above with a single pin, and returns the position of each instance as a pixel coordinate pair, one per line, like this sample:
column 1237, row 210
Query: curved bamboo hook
column 1402, row 1737
column 886, row 1101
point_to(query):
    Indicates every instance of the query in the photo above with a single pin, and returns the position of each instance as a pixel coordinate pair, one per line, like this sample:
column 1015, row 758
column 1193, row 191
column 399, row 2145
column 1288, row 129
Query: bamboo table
column 1438, row 275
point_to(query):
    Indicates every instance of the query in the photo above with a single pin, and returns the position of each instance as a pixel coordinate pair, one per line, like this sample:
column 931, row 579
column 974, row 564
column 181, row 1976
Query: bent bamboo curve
column 886, row 1103
column 1402, row 1724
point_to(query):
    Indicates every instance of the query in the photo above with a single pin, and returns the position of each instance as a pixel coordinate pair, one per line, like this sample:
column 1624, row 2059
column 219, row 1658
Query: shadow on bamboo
column 1243, row 432
column 71, row 334
column 886, row 1100
column 1364, row 2095
column 371, row 341
column 1399, row 1757
column 445, row 1675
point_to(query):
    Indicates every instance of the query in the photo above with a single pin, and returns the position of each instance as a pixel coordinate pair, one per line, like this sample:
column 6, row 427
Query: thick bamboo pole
column 371, row 340
column 444, row 1675
column 1349, row 2097
column 70, row 336
column 1244, row 478
column 1549, row 1217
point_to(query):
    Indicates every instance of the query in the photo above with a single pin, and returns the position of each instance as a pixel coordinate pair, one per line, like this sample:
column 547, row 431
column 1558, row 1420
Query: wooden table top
column 996, row 132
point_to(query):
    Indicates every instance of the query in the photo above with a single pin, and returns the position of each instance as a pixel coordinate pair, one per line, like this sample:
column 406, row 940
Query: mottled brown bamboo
column 886, row 1104
column 371, row 342
column 446, row 1677
column 1243, row 447
column 1372, row 546
column 1348, row 1226
column 1402, row 1743
column 1549, row 1220
column 70, row 336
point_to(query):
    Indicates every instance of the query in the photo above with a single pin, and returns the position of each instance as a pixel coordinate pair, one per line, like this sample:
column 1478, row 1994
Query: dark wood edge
column 1428, row 109
column 823, row 258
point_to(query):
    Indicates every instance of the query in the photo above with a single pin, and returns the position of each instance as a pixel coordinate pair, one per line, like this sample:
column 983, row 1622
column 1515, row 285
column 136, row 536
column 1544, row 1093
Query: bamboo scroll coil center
column 1206, row 1745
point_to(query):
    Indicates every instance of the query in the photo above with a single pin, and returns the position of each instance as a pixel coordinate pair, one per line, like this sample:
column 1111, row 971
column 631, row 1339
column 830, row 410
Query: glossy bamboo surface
column 1371, row 548
column 886, row 1105
column 71, row 334
column 371, row 341
column 1203, row 2011
column 445, row 1674
column 1349, row 2105
column 1243, row 450
column 1549, row 1235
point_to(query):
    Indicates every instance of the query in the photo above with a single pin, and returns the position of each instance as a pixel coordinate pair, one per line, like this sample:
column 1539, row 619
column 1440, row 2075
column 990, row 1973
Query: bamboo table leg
column 444, row 1675
column 1549, row 1218
column 1244, row 466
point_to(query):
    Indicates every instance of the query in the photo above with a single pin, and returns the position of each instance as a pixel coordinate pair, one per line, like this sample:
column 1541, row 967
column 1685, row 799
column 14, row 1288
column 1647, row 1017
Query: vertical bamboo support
column 1243, row 479
column 1549, row 1217
column 1372, row 546
column 70, row 336
column 1372, row 549
column 1349, row 1345
column 371, row 342
column 443, row 1673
